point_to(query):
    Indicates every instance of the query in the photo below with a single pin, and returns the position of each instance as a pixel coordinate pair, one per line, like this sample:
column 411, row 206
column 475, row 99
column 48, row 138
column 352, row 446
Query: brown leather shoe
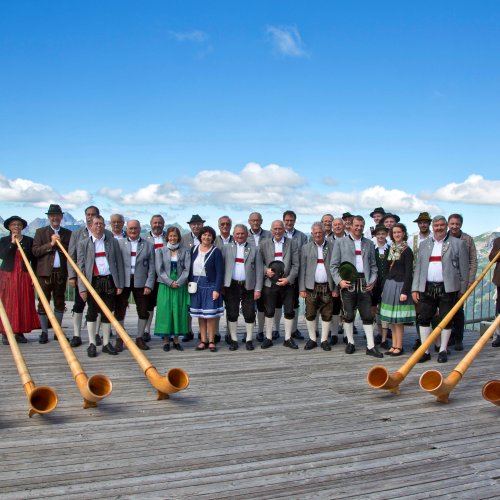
column 119, row 345
column 141, row 344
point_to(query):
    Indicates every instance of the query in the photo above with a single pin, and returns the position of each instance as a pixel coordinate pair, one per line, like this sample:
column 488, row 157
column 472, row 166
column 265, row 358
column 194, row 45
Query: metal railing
column 480, row 306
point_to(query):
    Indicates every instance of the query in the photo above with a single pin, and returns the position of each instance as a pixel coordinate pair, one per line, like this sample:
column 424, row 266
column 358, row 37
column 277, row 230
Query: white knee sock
column 77, row 324
column 149, row 321
column 269, row 328
column 91, row 327
column 325, row 330
column 233, row 328
column 106, row 333
column 425, row 331
column 349, row 332
column 249, row 329
column 445, row 337
column 288, row 328
column 311, row 329
column 370, row 343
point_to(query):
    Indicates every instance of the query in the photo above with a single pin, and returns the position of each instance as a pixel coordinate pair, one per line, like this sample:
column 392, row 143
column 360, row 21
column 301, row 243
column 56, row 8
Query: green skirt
column 172, row 309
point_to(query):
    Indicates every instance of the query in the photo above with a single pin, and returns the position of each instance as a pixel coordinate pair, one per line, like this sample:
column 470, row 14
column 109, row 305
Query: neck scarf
column 170, row 246
column 396, row 250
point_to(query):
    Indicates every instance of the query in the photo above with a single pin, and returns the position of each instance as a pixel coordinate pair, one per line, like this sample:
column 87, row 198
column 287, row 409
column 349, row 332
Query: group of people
column 341, row 269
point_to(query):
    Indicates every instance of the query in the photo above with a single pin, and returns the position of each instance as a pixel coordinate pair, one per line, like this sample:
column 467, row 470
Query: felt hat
column 378, row 210
column 54, row 209
column 278, row 267
column 195, row 218
column 380, row 227
column 389, row 215
column 12, row 219
column 346, row 215
column 423, row 216
column 348, row 271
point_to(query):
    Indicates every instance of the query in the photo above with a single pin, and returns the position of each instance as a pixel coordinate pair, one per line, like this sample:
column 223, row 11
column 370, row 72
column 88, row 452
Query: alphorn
column 42, row 399
column 432, row 381
column 491, row 392
column 379, row 377
column 175, row 379
column 92, row 389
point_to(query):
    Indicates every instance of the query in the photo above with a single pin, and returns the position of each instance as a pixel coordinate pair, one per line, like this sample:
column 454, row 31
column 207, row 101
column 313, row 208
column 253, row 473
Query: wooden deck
column 261, row 424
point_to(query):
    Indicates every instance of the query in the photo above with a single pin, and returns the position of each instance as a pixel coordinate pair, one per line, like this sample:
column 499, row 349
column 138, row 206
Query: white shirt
column 101, row 262
column 435, row 269
column 57, row 258
column 256, row 237
column 359, row 257
column 320, row 275
column 133, row 250
column 199, row 264
column 278, row 249
column 239, row 267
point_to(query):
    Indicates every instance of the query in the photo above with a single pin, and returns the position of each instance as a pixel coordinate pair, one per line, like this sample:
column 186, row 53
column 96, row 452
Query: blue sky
column 230, row 107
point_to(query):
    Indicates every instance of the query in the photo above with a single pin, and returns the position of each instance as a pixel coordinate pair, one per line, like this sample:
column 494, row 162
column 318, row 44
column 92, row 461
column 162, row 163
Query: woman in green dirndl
column 172, row 269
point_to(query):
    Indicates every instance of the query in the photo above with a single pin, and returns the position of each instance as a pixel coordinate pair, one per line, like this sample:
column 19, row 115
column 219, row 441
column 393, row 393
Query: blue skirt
column 202, row 303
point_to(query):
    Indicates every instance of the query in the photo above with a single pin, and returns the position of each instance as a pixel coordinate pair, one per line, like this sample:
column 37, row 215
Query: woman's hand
column 215, row 295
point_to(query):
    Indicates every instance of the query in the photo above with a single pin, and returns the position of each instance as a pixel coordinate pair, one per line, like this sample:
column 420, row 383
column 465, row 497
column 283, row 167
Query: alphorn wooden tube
column 491, row 392
column 432, row 381
column 42, row 399
column 92, row 389
column 175, row 379
column 379, row 377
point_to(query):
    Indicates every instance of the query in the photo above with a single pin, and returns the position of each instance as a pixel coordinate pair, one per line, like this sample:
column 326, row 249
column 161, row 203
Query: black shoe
column 249, row 345
column 75, row 342
column 459, row 346
column 188, row 337
column 5, row 340
column 178, row 347
column 21, row 339
column 276, row 334
column 43, row 338
column 378, row 339
column 109, row 349
column 442, row 357
column 266, row 343
column 350, row 349
column 91, row 351
column 416, row 344
column 426, row 357
column 334, row 340
column 496, row 342
column 374, row 352
column 98, row 340
column 146, row 336
column 233, row 346
column 297, row 335
column 310, row 344
column 385, row 344
column 291, row 344
column 227, row 339
column 325, row 346
column 139, row 342
column 345, row 340
column 166, row 346
column 259, row 337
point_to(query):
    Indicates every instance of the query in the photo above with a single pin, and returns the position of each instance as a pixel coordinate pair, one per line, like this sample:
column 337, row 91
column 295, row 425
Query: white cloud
column 329, row 181
column 27, row 192
column 196, row 36
column 152, row 194
column 286, row 40
column 475, row 190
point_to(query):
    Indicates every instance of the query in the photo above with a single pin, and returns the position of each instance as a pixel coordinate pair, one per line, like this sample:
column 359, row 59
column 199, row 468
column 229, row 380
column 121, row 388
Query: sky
column 230, row 107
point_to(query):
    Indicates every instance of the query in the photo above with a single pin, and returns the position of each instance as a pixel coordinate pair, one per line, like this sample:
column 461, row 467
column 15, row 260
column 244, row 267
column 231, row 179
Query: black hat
column 54, row 209
column 389, row 215
column 278, row 267
column 378, row 210
column 346, row 215
column 348, row 271
column 195, row 218
column 423, row 216
column 380, row 227
column 12, row 219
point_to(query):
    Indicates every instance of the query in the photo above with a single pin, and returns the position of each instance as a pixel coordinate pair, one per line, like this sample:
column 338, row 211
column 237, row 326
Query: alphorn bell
column 175, row 379
column 491, row 392
column 379, row 377
column 432, row 381
column 92, row 389
column 42, row 399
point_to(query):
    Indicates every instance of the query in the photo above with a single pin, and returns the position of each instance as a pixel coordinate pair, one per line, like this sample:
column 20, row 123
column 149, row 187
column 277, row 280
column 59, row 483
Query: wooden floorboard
column 262, row 424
